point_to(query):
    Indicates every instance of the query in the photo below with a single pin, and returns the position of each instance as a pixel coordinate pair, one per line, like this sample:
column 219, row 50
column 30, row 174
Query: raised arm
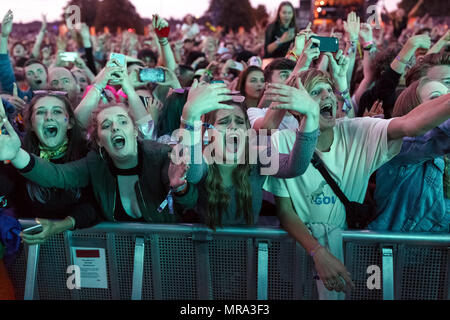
column 39, row 38
column 90, row 101
column 352, row 27
column 367, row 45
column 297, row 100
column 338, row 70
column 421, row 119
column 7, row 24
column 414, row 10
column 168, row 59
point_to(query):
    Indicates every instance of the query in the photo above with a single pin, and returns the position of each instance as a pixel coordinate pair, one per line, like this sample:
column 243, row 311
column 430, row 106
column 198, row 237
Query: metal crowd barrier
column 190, row 262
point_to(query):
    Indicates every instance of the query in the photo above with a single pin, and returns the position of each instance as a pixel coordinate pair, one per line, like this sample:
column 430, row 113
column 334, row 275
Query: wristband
column 292, row 53
column 179, row 189
column 73, row 222
column 403, row 61
column 163, row 41
column 343, row 93
column 314, row 251
column 367, row 44
column 189, row 126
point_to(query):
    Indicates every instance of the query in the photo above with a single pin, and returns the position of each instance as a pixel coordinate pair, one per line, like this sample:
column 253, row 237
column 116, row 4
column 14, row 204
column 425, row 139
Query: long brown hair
column 218, row 198
column 292, row 24
column 407, row 100
column 77, row 147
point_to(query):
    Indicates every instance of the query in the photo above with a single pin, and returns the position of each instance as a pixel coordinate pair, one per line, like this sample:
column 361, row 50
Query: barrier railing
column 190, row 262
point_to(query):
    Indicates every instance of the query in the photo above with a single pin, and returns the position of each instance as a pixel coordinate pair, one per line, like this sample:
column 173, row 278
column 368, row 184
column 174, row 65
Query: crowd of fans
column 85, row 139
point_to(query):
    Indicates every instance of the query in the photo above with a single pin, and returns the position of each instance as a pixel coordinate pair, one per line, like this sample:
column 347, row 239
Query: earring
column 101, row 153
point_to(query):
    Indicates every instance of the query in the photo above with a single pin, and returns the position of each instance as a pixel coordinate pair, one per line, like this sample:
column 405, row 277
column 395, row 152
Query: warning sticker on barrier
column 92, row 263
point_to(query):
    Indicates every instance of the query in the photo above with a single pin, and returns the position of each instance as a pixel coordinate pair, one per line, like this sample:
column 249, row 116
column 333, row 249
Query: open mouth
column 38, row 82
column 326, row 110
column 232, row 142
column 50, row 131
column 118, row 142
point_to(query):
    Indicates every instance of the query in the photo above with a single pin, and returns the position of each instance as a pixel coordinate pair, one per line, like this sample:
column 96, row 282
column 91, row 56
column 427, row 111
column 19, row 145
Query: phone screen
column 33, row 230
column 327, row 44
column 69, row 56
column 152, row 75
column 119, row 57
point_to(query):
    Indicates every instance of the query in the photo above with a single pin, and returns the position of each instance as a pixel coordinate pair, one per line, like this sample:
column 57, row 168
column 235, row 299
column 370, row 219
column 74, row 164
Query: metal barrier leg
column 263, row 270
column 32, row 262
column 388, row 273
column 138, row 269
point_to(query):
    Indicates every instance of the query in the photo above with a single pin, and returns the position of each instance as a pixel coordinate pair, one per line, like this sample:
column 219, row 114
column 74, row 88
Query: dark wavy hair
column 218, row 197
column 77, row 147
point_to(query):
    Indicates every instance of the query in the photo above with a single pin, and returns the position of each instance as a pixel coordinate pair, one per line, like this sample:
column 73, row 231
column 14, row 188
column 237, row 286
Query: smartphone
column 33, row 230
column 327, row 44
column 69, row 56
column 119, row 57
column 152, row 75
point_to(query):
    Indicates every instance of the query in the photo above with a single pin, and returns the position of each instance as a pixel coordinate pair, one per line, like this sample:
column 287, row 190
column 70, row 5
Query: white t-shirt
column 190, row 31
column 360, row 147
column 288, row 122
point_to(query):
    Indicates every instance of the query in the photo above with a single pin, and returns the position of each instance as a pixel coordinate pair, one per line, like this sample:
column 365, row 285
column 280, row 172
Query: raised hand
column 111, row 72
column 338, row 69
column 171, row 79
column 204, row 98
column 159, row 23
column 9, row 140
column 352, row 26
column 420, row 41
column 310, row 52
column 377, row 109
column 301, row 38
column 17, row 102
column 44, row 23
column 7, row 24
column 365, row 33
column 292, row 98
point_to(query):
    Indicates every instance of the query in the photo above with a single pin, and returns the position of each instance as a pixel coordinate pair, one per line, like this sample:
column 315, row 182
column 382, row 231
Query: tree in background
column 118, row 14
column 261, row 14
column 435, row 8
column 109, row 13
column 88, row 10
column 232, row 14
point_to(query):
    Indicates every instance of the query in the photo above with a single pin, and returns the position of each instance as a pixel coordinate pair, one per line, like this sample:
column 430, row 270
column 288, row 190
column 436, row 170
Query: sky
column 30, row 10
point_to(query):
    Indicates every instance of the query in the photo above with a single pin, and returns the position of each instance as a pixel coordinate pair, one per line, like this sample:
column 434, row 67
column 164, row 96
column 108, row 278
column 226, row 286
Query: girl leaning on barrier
column 53, row 135
column 229, row 185
column 129, row 178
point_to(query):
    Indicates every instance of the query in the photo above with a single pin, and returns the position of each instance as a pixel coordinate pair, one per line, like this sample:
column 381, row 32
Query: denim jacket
column 7, row 78
column 409, row 188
